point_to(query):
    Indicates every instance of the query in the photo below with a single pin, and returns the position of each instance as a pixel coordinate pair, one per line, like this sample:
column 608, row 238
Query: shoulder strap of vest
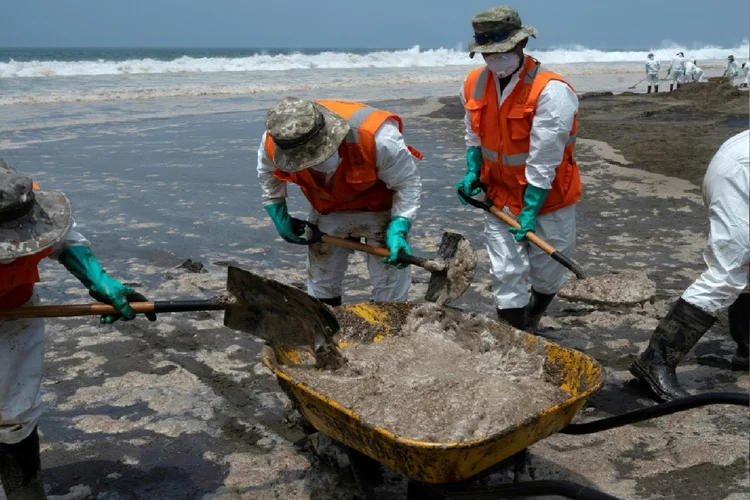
column 475, row 84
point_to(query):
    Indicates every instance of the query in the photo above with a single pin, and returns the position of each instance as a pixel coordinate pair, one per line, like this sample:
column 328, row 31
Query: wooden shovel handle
column 64, row 311
column 377, row 251
column 532, row 237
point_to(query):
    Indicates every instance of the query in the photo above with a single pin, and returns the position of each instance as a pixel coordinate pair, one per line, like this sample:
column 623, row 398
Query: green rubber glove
column 395, row 240
column 533, row 199
column 289, row 228
column 84, row 265
column 470, row 183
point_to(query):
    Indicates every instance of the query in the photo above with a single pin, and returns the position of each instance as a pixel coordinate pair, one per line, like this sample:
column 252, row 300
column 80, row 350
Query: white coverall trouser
column 652, row 80
column 21, row 366
column 678, row 77
column 327, row 264
column 515, row 264
column 726, row 188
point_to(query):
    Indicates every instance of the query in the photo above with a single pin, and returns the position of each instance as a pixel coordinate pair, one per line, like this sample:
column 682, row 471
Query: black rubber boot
column 21, row 469
column 739, row 328
column 656, row 89
column 535, row 310
column 514, row 317
column 334, row 302
column 671, row 87
column 676, row 334
column 649, row 89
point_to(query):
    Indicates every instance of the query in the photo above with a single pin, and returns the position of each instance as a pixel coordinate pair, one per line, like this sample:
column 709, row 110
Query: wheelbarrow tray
column 427, row 462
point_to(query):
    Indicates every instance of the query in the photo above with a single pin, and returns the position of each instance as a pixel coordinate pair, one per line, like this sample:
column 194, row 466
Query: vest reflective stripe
column 481, row 83
column 489, row 154
column 356, row 121
column 515, row 160
column 571, row 140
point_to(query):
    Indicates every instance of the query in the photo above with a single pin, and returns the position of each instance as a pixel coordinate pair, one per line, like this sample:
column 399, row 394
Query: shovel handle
column 377, row 251
column 532, row 237
column 65, row 311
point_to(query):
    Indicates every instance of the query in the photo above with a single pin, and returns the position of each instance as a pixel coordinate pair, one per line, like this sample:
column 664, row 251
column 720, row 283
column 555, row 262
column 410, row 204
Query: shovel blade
column 452, row 282
column 278, row 313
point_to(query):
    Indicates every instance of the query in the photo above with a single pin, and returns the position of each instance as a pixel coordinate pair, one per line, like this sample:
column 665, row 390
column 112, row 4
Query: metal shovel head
column 460, row 263
column 278, row 313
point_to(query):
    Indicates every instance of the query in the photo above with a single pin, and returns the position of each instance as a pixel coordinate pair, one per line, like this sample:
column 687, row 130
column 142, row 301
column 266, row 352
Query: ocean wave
column 410, row 58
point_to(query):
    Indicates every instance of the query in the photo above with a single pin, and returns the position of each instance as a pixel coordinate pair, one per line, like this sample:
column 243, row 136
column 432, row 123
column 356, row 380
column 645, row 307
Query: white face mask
column 504, row 64
column 330, row 165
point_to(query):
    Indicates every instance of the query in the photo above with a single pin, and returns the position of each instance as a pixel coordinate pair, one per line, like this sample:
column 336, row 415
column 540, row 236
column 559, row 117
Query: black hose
column 660, row 410
column 567, row 489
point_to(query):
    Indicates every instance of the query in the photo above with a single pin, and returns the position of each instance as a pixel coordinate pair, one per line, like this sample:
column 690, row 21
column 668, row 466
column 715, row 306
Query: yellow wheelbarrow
column 435, row 470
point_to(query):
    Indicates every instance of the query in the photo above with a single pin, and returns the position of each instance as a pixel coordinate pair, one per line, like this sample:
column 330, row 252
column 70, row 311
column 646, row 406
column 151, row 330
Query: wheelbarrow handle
column 403, row 258
column 532, row 237
column 66, row 311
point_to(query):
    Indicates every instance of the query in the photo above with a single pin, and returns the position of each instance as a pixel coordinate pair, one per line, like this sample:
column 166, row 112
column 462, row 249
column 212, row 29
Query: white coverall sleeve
column 472, row 139
column 726, row 189
column 72, row 239
column 550, row 131
column 397, row 168
column 272, row 189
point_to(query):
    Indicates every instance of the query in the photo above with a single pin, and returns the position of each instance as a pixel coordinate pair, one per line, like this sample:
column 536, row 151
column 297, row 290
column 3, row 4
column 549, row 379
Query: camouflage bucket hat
column 30, row 220
column 498, row 30
column 305, row 133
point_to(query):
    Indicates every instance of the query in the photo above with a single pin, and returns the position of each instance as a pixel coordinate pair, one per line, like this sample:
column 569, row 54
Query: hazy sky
column 362, row 24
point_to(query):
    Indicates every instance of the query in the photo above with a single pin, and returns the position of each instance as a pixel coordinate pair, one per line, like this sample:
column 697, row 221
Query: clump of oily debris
column 460, row 272
column 446, row 376
column 619, row 288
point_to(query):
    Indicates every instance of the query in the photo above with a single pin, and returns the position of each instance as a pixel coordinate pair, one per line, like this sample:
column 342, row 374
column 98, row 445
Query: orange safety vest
column 505, row 136
column 355, row 185
column 17, row 279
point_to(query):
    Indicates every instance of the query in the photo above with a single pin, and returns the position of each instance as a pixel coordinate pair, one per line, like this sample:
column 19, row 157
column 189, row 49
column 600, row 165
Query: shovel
column 267, row 309
column 635, row 85
column 451, row 272
column 627, row 288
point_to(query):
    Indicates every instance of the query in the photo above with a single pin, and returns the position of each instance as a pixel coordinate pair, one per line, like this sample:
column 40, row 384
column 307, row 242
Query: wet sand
column 183, row 408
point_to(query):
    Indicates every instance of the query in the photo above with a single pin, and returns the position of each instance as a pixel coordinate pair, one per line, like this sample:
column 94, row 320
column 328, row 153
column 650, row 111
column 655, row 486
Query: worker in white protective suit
column 692, row 72
column 34, row 225
column 731, row 70
column 353, row 166
column 722, row 285
column 677, row 71
column 521, row 123
column 652, row 73
column 746, row 71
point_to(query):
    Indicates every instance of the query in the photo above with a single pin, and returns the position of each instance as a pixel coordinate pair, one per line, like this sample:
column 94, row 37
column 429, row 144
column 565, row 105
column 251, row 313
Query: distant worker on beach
column 521, row 123
column 677, row 71
column 746, row 70
column 352, row 164
column 652, row 73
column 722, row 285
column 692, row 72
column 731, row 70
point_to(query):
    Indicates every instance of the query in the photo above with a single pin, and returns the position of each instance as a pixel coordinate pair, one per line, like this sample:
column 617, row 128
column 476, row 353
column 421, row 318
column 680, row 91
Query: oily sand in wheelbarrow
column 620, row 288
column 447, row 376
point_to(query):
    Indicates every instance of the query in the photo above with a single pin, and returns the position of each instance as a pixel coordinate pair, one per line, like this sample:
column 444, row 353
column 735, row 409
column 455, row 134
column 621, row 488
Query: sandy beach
column 184, row 409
